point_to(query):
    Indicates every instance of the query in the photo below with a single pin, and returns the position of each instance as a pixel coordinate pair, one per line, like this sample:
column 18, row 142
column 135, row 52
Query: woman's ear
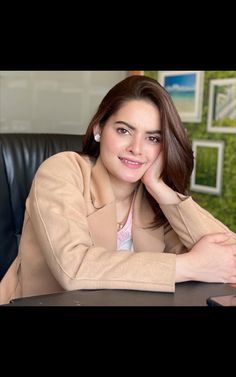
column 97, row 133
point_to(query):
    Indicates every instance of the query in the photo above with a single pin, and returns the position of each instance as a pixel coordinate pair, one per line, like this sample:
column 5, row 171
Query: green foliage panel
column 221, row 206
column 207, row 157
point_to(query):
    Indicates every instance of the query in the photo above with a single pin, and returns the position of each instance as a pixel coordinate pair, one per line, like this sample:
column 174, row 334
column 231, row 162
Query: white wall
column 52, row 101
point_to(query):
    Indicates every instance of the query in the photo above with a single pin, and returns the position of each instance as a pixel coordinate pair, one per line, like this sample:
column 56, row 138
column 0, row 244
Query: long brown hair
column 177, row 151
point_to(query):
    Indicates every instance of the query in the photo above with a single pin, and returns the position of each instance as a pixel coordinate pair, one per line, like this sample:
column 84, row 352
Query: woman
column 118, row 215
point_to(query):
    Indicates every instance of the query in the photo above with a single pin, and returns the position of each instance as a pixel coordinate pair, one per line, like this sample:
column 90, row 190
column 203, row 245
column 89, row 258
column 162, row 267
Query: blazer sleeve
column 191, row 222
column 58, row 213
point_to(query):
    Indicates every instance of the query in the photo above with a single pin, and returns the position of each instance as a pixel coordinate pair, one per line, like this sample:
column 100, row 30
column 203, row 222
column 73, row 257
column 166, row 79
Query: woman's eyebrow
column 134, row 128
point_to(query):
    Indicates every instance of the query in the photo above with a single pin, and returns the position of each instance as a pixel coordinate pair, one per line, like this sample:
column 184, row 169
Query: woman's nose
column 135, row 146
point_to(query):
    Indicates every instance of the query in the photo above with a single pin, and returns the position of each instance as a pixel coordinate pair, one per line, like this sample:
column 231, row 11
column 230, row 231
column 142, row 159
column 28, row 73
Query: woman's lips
column 131, row 163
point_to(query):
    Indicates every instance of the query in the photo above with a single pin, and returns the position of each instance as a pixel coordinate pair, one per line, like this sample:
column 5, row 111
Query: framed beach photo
column 186, row 90
column 208, row 164
column 222, row 106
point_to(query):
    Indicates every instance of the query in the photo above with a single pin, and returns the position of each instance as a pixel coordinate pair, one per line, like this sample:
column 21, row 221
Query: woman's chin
column 132, row 179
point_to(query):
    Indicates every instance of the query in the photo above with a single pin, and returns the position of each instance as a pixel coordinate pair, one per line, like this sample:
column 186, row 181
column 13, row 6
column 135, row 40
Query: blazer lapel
column 102, row 220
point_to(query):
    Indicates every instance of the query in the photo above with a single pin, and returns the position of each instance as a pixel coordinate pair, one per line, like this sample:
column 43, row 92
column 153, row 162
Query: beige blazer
column 69, row 235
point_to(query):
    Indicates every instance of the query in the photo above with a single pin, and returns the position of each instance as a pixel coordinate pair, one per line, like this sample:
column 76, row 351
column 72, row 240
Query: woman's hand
column 152, row 176
column 155, row 185
column 210, row 260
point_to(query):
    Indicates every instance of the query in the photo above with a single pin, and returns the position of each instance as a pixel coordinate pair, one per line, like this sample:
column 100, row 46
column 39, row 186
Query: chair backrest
column 20, row 157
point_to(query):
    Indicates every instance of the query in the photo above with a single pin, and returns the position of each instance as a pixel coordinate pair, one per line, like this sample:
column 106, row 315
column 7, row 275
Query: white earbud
column 97, row 138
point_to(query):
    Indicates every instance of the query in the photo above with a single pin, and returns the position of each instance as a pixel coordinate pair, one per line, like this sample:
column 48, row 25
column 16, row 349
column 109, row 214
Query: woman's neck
column 123, row 190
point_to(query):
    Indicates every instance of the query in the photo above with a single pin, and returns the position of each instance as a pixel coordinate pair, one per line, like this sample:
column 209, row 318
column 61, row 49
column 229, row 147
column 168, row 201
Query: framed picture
column 186, row 90
column 208, row 163
column 222, row 106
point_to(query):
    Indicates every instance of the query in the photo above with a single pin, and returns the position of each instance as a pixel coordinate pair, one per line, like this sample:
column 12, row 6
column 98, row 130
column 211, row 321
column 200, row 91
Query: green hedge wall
column 221, row 206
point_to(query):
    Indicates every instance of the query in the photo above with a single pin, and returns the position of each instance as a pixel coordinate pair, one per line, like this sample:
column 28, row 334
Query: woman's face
column 131, row 140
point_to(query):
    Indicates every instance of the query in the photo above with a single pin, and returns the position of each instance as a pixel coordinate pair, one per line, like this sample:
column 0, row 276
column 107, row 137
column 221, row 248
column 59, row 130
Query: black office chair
column 20, row 157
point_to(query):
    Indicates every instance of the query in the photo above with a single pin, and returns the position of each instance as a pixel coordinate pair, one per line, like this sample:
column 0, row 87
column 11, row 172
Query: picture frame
column 186, row 90
column 208, row 166
column 222, row 106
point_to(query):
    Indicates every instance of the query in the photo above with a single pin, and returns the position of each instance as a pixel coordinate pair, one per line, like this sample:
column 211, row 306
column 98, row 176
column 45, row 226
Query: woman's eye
column 121, row 130
column 155, row 139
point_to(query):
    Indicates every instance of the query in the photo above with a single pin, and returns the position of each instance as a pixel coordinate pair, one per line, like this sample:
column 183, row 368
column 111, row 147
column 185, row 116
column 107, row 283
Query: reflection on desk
column 186, row 294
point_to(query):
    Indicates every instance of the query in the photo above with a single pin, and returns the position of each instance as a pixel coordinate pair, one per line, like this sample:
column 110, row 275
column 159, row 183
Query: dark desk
column 186, row 294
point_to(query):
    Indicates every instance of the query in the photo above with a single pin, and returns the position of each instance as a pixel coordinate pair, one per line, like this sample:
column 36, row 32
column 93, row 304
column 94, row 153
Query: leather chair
column 20, row 157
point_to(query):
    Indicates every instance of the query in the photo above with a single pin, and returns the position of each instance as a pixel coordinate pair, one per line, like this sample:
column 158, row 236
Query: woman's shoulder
column 67, row 160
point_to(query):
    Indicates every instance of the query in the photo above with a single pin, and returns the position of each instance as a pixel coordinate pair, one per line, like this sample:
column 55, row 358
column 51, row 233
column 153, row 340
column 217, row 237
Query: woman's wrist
column 162, row 193
column 183, row 268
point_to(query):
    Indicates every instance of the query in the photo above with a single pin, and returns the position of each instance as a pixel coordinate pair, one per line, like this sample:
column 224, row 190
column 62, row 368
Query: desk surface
column 186, row 294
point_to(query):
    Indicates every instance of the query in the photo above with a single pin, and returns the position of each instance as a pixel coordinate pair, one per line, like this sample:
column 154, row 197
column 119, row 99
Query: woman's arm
column 188, row 220
column 212, row 255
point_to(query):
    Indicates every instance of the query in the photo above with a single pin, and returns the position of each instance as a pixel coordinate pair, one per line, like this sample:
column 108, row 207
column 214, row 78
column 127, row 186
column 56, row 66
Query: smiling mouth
column 130, row 163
